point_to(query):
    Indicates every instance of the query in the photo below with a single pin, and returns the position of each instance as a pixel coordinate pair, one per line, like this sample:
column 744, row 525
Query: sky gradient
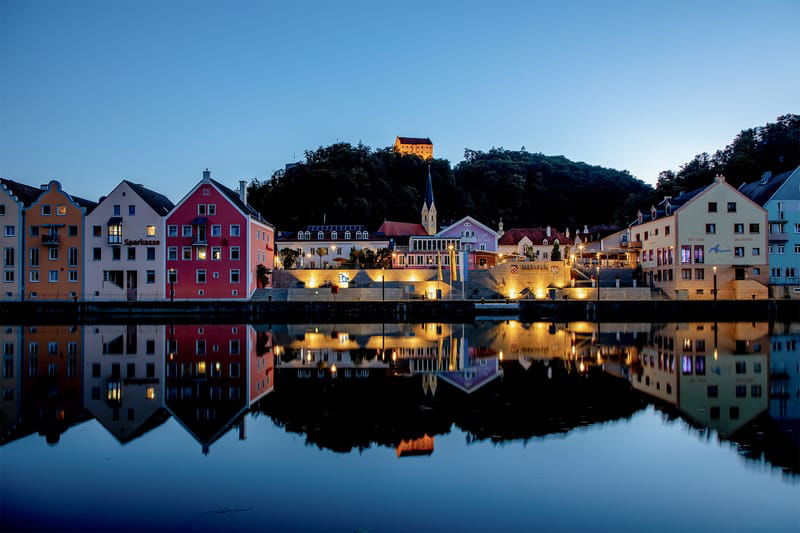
column 94, row 92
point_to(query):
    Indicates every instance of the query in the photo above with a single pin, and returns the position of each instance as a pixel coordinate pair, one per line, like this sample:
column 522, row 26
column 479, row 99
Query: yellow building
column 419, row 146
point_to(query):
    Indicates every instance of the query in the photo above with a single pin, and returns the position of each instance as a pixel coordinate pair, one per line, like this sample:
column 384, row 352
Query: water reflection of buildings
column 715, row 373
column 124, row 378
column 784, row 394
column 214, row 373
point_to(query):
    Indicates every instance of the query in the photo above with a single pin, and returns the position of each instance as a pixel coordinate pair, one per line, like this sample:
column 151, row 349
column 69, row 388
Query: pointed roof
column 429, row 190
column 401, row 229
column 762, row 191
column 24, row 193
column 536, row 236
column 414, row 140
column 160, row 203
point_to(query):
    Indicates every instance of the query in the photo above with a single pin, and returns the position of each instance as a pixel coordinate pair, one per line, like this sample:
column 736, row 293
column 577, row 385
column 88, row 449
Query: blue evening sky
column 155, row 91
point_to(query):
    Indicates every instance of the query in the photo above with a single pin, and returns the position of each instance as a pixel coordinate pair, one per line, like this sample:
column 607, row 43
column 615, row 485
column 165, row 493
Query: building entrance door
column 739, row 273
column 132, row 278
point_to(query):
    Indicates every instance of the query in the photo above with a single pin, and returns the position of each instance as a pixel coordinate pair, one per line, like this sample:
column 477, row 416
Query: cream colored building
column 418, row 146
column 714, row 232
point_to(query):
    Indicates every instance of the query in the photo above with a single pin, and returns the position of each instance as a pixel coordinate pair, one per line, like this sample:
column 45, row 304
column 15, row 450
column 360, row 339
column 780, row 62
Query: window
column 52, row 254
column 2, row 210
column 115, row 234
column 187, row 230
column 797, row 248
column 741, row 367
column 216, row 230
column 711, row 228
column 754, row 228
column 666, row 230
column 741, row 391
column 200, row 276
column 738, row 251
column 151, row 253
column 686, row 273
column 72, row 231
column 61, row 210
column 686, row 254
column 52, row 276
column 756, row 251
column 11, row 231
column 235, row 230
column 712, row 207
column 346, row 234
column 233, row 369
column 150, row 277
column 34, row 231
column 131, row 253
column 321, row 235
column 201, row 209
column 738, row 228
column 216, row 253
column 755, row 391
column 131, row 210
column 234, row 346
column 46, row 209
column 97, row 231
column 212, row 209
column 151, row 231
column 72, row 257
column 699, row 274
column 234, row 253
column 235, row 276
column 334, row 235
column 731, row 207
column 34, row 257
column 172, row 253
column 8, row 257
column 712, row 391
column 186, row 253
column 699, row 254
column 117, row 210
column 172, row 230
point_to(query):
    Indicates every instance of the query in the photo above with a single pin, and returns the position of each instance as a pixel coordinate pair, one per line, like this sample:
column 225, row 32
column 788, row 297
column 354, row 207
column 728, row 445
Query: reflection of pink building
column 215, row 243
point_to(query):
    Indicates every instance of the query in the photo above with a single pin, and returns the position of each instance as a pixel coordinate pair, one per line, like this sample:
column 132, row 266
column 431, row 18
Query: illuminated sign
column 142, row 242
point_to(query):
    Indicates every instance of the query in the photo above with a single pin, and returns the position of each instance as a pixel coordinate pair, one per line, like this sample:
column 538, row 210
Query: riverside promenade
column 402, row 311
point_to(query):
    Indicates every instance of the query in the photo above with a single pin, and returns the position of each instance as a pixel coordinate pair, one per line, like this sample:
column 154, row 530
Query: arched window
column 334, row 235
column 300, row 235
column 308, row 235
column 346, row 234
column 320, row 235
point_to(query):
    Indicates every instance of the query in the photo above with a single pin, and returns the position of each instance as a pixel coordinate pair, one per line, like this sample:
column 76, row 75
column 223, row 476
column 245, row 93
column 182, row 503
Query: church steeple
column 429, row 207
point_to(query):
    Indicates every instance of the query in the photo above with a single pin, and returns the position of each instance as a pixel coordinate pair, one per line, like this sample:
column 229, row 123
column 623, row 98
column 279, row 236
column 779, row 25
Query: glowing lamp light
column 394, row 356
column 333, row 369
column 501, row 355
column 201, row 367
column 512, row 294
column 582, row 368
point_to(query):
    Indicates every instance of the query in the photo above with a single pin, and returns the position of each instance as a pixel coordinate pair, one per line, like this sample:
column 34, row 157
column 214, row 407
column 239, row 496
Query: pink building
column 215, row 244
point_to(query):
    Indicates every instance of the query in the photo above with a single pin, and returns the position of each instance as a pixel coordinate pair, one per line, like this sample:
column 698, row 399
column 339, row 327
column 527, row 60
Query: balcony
column 633, row 245
column 198, row 240
column 49, row 239
column 778, row 237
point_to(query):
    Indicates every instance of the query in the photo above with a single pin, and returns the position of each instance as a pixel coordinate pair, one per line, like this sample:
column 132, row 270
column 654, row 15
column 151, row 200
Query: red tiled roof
column 536, row 235
column 414, row 140
column 401, row 229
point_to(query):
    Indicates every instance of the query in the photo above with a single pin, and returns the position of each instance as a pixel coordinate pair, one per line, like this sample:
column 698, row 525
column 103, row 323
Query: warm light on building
column 150, row 393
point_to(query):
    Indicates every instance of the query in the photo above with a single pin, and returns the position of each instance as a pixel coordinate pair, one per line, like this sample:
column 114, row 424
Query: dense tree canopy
column 773, row 147
column 350, row 184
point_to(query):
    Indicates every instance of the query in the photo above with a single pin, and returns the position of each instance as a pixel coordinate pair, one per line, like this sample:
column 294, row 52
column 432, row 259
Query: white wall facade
column 140, row 231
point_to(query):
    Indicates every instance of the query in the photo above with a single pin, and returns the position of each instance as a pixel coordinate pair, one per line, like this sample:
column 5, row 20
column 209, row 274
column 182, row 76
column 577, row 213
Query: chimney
column 243, row 191
column 548, row 232
column 206, row 175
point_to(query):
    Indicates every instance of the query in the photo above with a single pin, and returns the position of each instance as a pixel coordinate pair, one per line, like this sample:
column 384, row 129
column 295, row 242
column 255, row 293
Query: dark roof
column 762, row 190
column 401, row 229
column 414, row 140
column 429, row 190
column 336, row 227
column 674, row 202
column 25, row 193
column 536, row 235
column 233, row 196
column 82, row 202
column 313, row 234
column 160, row 203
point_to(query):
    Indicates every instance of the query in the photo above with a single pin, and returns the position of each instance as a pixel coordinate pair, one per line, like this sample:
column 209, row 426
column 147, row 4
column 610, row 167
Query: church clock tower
column 429, row 207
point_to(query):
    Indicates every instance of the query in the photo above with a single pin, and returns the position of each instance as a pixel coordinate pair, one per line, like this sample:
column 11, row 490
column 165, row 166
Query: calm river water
column 496, row 425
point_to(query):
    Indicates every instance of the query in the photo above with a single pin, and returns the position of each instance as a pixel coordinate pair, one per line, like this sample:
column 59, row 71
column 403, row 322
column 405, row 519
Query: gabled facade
column 707, row 237
column 215, row 243
column 54, row 235
column 14, row 199
column 125, row 251
column 780, row 196
column 474, row 235
column 535, row 243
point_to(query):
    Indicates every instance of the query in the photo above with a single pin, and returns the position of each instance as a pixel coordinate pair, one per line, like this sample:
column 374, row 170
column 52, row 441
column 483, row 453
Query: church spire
column 429, row 208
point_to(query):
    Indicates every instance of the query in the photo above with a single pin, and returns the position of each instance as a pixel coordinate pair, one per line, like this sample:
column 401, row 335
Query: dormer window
column 545, row 241
column 320, row 235
column 334, row 235
column 308, row 235
column 300, row 235
column 346, row 234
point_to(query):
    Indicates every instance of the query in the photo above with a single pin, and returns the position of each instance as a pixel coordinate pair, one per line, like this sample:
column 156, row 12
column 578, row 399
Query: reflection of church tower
column 429, row 207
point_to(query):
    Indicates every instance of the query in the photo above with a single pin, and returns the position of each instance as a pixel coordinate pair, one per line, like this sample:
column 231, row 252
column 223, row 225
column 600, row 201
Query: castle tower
column 429, row 208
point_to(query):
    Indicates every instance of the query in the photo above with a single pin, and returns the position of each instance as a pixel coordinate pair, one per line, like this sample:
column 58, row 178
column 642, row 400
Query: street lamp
column 171, row 284
column 598, row 282
column 383, row 283
column 714, row 268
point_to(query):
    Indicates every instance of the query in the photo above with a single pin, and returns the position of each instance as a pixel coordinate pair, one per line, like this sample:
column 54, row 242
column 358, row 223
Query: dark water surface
column 394, row 427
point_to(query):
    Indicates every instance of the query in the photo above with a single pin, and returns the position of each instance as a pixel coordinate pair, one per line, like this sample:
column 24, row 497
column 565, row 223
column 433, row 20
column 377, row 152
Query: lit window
column 151, row 231
column 61, row 210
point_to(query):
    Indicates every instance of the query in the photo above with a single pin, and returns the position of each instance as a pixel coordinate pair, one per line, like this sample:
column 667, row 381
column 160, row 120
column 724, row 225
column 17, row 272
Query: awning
column 200, row 220
column 114, row 221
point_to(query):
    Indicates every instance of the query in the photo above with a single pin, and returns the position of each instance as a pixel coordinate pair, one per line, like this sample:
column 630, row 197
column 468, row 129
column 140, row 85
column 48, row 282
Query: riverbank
column 400, row 311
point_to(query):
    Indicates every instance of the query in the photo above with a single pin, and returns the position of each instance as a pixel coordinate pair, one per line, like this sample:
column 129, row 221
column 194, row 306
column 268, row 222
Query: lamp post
column 598, row 282
column 171, row 284
column 383, row 283
column 714, row 268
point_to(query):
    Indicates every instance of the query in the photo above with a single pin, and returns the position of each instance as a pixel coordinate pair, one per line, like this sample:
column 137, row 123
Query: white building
column 335, row 242
column 124, row 377
column 124, row 245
